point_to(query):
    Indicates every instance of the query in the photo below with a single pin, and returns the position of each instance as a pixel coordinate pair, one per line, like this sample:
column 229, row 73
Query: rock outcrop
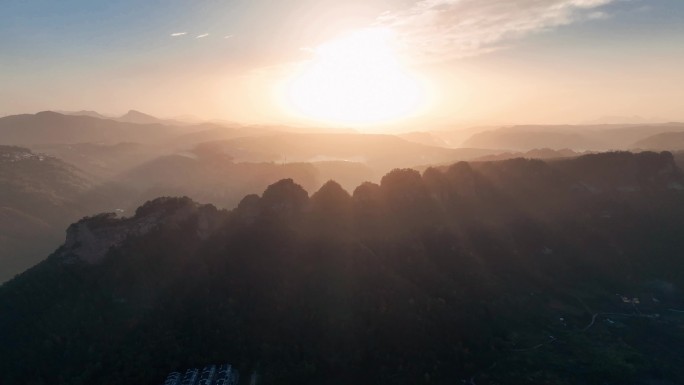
column 91, row 238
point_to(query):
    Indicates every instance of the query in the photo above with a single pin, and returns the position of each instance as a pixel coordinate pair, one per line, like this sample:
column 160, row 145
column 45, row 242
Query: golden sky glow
column 382, row 63
column 357, row 79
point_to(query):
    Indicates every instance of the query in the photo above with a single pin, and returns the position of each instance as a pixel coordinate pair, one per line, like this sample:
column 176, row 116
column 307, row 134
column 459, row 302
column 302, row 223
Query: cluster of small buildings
column 16, row 156
column 211, row 375
column 633, row 301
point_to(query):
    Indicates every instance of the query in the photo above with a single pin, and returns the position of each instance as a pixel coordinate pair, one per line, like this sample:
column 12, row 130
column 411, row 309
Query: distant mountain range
column 381, row 152
column 91, row 127
column 137, row 117
column 667, row 141
column 578, row 138
column 122, row 164
column 92, row 114
column 51, row 127
column 537, row 153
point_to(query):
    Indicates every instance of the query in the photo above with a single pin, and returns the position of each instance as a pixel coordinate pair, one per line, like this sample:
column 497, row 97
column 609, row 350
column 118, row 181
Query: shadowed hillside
column 380, row 152
column 39, row 196
column 578, row 138
column 668, row 141
column 510, row 272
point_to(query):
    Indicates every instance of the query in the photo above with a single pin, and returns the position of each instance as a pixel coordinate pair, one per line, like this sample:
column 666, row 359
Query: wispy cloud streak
column 176, row 34
column 201, row 36
column 444, row 29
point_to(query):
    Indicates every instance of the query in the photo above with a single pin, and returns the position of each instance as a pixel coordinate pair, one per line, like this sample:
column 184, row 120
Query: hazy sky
column 478, row 61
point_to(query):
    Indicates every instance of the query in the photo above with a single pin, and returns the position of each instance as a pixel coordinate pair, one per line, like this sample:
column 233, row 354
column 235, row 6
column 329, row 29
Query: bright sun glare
column 358, row 80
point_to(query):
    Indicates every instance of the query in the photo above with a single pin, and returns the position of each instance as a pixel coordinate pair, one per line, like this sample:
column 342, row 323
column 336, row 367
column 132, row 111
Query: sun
column 358, row 79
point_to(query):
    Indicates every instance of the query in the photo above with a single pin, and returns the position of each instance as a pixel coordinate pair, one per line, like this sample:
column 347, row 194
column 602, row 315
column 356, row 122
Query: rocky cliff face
column 91, row 238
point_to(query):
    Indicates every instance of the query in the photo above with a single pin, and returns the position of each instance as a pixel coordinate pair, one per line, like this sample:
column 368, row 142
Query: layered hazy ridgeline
column 471, row 264
column 315, row 192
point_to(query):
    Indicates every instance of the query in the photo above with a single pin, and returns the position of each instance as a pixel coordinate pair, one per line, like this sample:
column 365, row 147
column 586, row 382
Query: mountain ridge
column 47, row 127
column 453, row 274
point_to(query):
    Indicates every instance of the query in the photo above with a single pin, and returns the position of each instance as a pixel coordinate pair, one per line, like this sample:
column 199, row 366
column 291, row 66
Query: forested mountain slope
column 511, row 272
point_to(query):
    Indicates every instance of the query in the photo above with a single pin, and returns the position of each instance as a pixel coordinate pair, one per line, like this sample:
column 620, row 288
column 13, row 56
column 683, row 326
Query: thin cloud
column 176, row 34
column 598, row 15
column 446, row 29
column 228, row 36
column 201, row 36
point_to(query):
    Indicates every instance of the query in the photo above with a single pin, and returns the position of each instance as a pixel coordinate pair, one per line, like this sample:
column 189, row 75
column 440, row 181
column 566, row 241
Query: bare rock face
column 91, row 238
